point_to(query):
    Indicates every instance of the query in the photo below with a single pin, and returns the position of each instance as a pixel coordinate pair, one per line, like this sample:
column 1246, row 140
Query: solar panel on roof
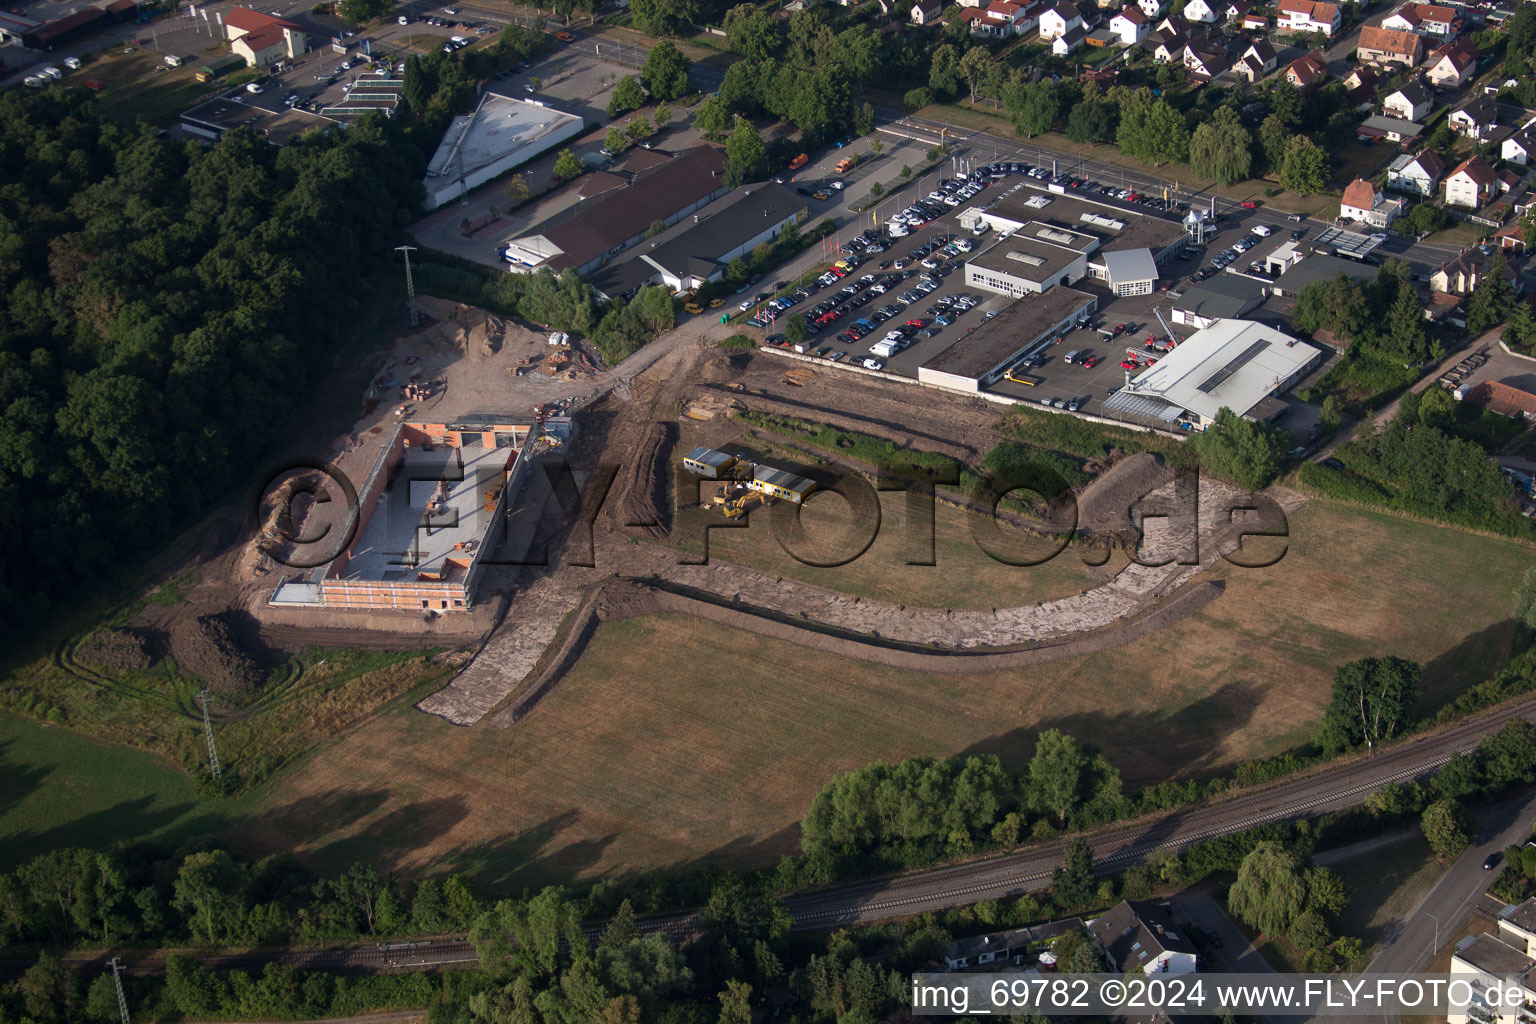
column 1242, row 359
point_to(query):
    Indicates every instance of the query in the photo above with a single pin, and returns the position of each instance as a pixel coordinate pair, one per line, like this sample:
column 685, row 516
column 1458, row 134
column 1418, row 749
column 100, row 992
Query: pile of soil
column 1105, row 504
column 121, row 650
column 206, row 647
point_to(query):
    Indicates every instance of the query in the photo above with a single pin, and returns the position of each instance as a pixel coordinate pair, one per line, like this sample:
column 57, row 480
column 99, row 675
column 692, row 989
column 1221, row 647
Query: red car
column 1127, row 364
column 1090, row 362
column 914, row 323
column 1249, row 204
column 1119, row 330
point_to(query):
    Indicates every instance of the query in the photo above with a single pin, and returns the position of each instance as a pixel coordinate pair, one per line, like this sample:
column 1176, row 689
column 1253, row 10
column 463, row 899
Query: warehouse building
column 212, row 119
column 1321, row 267
column 980, row 360
column 697, row 251
column 1233, row 364
column 501, row 134
column 1222, row 297
column 660, row 187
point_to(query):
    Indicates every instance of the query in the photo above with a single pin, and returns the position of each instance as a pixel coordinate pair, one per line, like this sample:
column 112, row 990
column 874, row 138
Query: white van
column 1071, row 357
column 72, row 63
column 51, row 72
column 1262, row 230
column 172, row 61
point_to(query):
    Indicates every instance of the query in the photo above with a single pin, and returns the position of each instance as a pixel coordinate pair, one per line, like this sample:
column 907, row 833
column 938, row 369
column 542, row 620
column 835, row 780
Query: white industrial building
column 979, row 360
column 1233, row 364
column 1127, row 272
column 501, row 134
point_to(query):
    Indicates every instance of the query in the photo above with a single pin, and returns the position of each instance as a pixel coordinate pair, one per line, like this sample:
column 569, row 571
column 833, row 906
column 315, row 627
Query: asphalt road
column 1442, row 912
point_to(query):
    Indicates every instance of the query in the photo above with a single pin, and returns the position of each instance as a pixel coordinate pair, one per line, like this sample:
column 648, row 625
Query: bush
column 919, row 97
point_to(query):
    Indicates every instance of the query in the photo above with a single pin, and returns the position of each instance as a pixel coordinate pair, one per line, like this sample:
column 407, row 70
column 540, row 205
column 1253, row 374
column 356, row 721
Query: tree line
column 165, row 305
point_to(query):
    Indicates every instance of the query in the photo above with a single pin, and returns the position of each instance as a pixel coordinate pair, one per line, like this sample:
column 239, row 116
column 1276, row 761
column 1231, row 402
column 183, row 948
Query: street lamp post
column 1436, row 947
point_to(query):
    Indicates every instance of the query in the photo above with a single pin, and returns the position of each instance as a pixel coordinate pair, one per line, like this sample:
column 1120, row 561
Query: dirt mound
column 121, row 650
column 720, row 367
column 645, row 490
column 1105, row 504
column 206, row 646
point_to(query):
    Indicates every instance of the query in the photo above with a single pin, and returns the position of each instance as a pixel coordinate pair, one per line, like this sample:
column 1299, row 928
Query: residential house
column 1142, row 936
column 1460, row 276
column 1364, row 204
column 963, row 4
column 1207, row 58
column 1511, row 238
column 1452, row 65
column 1264, row 54
column 1517, row 403
column 1000, row 19
column 1131, row 25
column 1064, row 45
column 1417, row 175
column 1307, row 72
column 1308, row 16
column 1167, row 46
column 1422, row 19
column 999, row 949
column 1520, row 147
column 261, row 38
column 1203, row 11
column 1411, row 102
column 1385, row 47
column 1175, row 23
column 1471, row 184
column 1255, row 21
column 1360, row 86
column 926, row 12
column 1237, row 9
column 1060, row 20
column 1476, row 119
column 1152, row 8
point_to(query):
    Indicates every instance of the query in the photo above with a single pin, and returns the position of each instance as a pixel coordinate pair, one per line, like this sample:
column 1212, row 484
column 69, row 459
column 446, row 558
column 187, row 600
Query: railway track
column 1328, row 788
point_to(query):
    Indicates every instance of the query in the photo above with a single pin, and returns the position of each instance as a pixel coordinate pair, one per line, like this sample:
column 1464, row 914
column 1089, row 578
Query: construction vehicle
column 845, row 165
column 742, row 505
column 799, row 162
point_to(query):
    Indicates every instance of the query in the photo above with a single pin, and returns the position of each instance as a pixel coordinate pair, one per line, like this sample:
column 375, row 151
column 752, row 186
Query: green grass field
column 1384, row 885
column 64, row 789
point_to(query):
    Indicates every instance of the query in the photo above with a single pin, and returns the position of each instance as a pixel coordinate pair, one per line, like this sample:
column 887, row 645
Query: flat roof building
column 780, row 483
column 1028, row 262
column 502, row 133
column 1233, row 364
column 707, row 462
column 1321, row 267
column 1222, row 297
column 979, row 360
column 212, row 119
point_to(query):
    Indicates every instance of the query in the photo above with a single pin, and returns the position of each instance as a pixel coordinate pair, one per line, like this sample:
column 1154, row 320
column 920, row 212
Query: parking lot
column 907, row 283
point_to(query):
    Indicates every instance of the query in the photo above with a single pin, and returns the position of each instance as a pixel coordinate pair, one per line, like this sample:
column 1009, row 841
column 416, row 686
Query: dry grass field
column 675, row 742
column 962, row 576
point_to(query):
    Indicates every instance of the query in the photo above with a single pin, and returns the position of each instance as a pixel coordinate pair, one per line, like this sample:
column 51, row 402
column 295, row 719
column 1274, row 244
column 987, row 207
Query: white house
column 1411, row 102
column 1152, row 8
column 1520, row 147
column 1130, row 26
column 1307, row 16
column 1417, row 175
column 1364, row 204
column 1476, row 119
column 1471, row 184
column 1143, row 937
column 1203, row 11
column 1423, row 19
column 1064, row 45
column 926, row 12
column 1060, row 20
column 1453, row 65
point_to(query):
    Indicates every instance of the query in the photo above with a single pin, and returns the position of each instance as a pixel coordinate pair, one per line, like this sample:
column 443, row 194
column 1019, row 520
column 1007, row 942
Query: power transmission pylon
column 122, row 1000
column 410, row 285
column 213, row 751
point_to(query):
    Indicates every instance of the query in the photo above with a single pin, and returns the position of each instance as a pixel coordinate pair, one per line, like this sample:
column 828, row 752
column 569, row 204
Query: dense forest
column 166, row 308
